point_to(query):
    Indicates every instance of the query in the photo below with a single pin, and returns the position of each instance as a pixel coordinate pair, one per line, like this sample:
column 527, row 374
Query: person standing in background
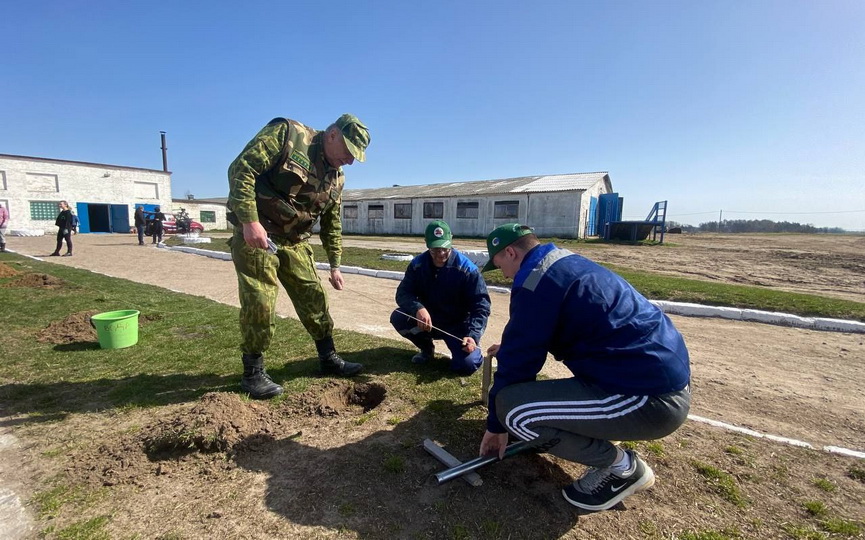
column 140, row 223
column 4, row 221
column 64, row 229
column 158, row 217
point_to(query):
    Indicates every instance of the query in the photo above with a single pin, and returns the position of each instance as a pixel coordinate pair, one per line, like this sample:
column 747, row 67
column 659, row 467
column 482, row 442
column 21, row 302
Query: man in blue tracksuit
column 631, row 367
column 442, row 288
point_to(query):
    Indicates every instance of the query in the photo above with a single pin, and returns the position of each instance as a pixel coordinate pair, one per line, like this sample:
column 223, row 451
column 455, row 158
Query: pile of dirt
column 7, row 271
column 75, row 328
column 213, row 430
column 216, row 423
column 36, row 281
column 195, row 441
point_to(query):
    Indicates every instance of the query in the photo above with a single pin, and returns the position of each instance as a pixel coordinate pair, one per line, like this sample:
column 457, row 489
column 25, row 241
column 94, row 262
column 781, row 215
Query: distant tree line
column 755, row 226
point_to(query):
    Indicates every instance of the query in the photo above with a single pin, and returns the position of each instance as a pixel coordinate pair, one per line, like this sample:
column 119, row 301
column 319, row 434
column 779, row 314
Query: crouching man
column 630, row 365
column 442, row 288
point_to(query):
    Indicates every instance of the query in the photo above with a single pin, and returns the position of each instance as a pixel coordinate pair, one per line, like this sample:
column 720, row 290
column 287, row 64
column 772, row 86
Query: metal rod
column 477, row 463
column 472, row 478
column 431, row 326
column 407, row 315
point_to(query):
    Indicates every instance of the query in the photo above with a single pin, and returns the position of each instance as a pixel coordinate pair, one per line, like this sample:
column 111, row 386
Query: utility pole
column 720, row 216
column 164, row 152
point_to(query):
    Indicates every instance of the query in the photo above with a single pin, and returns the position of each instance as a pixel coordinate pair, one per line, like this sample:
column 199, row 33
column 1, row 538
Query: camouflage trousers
column 259, row 274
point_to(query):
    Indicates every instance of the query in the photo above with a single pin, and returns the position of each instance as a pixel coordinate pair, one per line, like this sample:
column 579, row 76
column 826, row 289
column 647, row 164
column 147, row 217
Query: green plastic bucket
column 116, row 329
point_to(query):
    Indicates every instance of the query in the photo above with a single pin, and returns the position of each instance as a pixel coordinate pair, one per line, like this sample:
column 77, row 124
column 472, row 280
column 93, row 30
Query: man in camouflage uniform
column 285, row 179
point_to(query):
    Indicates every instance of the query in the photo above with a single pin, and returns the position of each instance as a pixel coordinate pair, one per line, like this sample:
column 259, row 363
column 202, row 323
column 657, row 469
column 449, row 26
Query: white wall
column 550, row 214
column 194, row 209
column 24, row 180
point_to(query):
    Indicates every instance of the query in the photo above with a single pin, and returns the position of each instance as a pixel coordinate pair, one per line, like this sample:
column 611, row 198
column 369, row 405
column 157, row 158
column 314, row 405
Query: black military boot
column 2, row 248
column 331, row 363
column 256, row 382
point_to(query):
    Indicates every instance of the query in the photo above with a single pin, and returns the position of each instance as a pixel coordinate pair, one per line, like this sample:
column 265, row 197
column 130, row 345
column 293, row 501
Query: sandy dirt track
column 795, row 383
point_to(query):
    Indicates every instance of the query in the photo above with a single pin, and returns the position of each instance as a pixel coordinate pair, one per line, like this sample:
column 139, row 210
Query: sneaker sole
column 644, row 483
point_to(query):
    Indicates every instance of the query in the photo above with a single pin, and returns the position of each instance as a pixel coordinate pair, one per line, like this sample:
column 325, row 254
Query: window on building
column 402, row 210
column 433, row 210
column 467, row 210
column 44, row 210
column 349, row 212
column 3, row 180
column 375, row 211
column 507, row 210
column 208, row 216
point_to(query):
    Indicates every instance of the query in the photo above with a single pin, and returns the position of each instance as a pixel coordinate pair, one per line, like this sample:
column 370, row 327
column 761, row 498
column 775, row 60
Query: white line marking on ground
column 776, row 438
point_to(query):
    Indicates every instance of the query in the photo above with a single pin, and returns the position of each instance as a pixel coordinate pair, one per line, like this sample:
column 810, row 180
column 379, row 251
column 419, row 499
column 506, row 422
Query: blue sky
column 756, row 108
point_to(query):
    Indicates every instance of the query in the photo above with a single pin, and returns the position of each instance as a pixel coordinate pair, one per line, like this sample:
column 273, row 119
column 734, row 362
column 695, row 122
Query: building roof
column 525, row 184
column 210, row 200
column 87, row 163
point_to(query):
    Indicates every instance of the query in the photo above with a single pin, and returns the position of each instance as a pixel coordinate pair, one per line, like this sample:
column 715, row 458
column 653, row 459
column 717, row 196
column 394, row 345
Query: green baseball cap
column 501, row 237
column 355, row 134
column 438, row 235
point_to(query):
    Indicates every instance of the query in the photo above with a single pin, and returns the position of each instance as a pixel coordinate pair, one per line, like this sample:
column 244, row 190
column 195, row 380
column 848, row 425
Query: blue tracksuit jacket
column 594, row 321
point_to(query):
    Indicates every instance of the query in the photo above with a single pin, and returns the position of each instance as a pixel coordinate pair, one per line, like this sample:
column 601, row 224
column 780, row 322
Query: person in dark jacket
column 64, row 229
column 158, row 217
column 630, row 365
column 443, row 293
column 140, row 223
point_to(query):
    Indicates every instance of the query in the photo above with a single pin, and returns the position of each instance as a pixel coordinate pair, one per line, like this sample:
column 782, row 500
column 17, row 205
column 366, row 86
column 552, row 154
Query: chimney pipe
column 164, row 153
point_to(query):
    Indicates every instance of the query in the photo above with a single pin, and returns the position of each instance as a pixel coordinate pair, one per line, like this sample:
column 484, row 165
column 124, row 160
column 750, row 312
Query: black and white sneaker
column 602, row 489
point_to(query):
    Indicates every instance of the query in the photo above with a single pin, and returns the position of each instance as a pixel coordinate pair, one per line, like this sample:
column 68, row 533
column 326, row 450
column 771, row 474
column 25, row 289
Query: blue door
column 119, row 218
column 591, row 226
column 83, row 213
column 609, row 209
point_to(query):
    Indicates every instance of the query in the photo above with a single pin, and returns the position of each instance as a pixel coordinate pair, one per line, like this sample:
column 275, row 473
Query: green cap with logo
column 438, row 235
column 501, row 237
column 355, row 134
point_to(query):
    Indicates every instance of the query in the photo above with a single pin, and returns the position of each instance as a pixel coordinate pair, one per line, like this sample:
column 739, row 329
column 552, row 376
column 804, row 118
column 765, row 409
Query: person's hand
column 255, row 235
column 493, row 349
column 469, row 344
column 494, row 443
column 336, row 279
column 424, row 320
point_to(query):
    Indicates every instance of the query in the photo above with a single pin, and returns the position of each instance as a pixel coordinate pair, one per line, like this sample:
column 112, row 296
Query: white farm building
column 561, row 205
column 103, row 196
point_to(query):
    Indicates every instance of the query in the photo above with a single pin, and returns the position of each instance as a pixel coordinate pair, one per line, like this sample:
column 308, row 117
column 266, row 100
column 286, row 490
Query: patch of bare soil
column 219, row 423
column 73, row 329
column 7, row 271
column 226, row 466
column 825, row 265
column 36, row 281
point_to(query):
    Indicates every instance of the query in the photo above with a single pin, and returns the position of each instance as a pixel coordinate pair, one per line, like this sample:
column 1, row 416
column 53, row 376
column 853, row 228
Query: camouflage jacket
column 282, row 180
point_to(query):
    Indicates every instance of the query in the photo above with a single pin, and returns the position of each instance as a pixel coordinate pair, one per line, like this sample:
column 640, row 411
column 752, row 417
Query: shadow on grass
column 78, row 346
column 58, row 399
column 62, row 398
column 376, row 361
column 383, row 486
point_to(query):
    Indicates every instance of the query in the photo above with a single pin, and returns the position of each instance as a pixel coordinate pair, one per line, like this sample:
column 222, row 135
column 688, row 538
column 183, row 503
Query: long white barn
column 558, row 205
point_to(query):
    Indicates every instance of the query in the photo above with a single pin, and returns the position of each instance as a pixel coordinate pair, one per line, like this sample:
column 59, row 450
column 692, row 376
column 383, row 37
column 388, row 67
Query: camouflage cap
column 355, row 134
column 501, row 237
column 438, row 235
